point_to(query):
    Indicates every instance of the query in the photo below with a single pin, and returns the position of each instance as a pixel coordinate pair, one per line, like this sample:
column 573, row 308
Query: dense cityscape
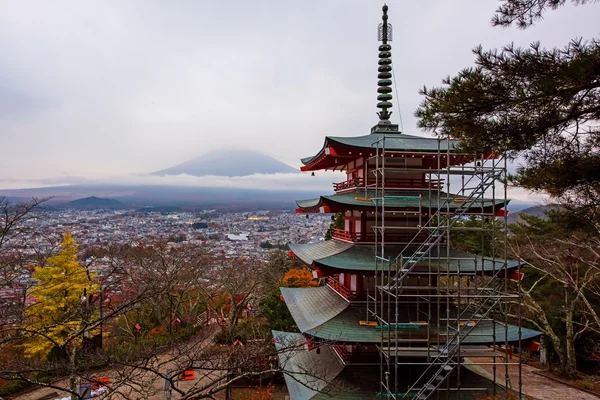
column 237, row 234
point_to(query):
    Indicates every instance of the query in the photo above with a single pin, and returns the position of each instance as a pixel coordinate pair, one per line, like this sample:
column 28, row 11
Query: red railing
column 393, row 237
column 333, row 283
column 349, row 184
column 346, row 236
column 342, row 353
column 401, row 183
column 411, row 183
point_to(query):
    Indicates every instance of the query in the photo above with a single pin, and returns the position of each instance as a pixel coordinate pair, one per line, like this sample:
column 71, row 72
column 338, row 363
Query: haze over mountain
column 229, row 163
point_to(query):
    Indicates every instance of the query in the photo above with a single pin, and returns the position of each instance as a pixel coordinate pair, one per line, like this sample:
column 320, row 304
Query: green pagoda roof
column 306, row 372
column 393, row 142
column 312, row 304
column 397, row 200
column 348, row 257
column 352, row 382
column 311, row 314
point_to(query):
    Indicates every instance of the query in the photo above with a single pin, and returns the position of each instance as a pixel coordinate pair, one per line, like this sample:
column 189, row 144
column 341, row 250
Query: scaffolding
column 452, row 303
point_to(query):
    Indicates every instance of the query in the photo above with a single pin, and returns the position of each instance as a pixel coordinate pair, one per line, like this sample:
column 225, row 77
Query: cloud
column 280, row 182
column 125, row 87
column 320, row 183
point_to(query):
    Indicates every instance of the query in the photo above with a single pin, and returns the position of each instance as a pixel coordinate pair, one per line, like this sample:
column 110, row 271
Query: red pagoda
column 401, row 313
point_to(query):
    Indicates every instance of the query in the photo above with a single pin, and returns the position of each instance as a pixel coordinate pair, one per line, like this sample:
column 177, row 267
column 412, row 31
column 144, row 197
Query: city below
column 231, row 234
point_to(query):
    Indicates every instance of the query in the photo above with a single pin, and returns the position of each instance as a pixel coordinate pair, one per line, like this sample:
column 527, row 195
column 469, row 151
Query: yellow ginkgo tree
column 62, row 314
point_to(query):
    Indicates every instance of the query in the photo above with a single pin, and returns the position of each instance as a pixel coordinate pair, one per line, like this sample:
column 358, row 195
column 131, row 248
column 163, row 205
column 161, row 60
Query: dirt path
column 535, row 386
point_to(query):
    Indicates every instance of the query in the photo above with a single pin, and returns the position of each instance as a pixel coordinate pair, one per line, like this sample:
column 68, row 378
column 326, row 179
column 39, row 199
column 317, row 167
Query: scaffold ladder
column 438, row 233
column 446, row 358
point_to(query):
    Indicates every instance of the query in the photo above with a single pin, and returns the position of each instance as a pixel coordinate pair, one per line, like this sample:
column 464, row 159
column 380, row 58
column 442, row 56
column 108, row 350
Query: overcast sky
column 98, row 88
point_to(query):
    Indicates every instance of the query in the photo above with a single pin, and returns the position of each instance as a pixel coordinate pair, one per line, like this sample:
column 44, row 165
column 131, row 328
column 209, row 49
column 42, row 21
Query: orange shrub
column 298, row 278
column 264, row 393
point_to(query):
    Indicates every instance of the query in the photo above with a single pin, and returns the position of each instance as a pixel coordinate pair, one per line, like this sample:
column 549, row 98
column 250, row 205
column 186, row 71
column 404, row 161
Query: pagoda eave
column 340, row 321
column 410, row 203
column 337, row 152
column 333, row 257
column 329, row 158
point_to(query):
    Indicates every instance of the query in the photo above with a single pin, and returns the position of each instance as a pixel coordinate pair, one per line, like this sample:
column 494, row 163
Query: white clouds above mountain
column 291, row 182
column 123, row 87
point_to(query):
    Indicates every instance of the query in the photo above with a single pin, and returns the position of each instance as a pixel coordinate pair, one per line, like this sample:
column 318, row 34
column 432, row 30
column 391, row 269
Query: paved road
column 534, row 385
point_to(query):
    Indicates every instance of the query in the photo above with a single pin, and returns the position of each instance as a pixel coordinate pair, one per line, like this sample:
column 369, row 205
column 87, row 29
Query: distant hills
column 229, row 163
column 164, row 197
column 95, row 202
column 537, row 211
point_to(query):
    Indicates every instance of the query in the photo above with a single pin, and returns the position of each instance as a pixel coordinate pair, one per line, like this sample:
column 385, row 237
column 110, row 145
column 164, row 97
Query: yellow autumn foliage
column 59, row 313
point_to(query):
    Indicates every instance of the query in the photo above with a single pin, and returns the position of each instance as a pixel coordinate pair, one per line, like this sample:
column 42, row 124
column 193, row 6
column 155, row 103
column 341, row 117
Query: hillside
column 229, row 163
column 95, row 202
column 188, row 197
column 537, row 211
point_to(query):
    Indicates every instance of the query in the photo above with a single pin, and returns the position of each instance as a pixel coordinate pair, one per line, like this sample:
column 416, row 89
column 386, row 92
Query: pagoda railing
column 399, row 183
column 332, row 282
column 369, row 237
column 349, row 184
column 409, row 183
column 346, row 236
column 342, row 353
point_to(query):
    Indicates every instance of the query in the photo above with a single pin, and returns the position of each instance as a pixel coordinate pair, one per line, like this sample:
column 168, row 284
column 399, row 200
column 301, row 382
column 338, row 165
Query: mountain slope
column 537, row 211
column 229, row 163
column 95, row 202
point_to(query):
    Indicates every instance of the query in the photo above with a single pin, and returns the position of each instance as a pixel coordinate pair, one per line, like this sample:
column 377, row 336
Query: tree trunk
column 544, row 325
column 544, row 354
column 569, row 366
column 234, row 314
column 558, row 348
column 72, row 376
column 236, row 310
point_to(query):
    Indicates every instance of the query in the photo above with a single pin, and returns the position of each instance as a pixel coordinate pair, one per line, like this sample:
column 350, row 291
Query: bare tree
column 241, row 280
column 563, row 289
column 154, row 311
column 15, row 249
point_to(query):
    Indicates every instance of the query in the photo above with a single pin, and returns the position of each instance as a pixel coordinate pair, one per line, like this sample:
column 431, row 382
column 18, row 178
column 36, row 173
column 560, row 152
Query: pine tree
column 543, row 104
column 338, row 223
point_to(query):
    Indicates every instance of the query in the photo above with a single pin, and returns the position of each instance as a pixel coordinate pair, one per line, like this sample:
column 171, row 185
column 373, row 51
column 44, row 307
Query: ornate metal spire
column 385, row 75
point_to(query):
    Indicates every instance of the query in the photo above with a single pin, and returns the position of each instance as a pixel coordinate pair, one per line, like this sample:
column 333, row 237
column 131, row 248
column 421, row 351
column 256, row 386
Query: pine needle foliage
column 540, row 104
column 525, row 13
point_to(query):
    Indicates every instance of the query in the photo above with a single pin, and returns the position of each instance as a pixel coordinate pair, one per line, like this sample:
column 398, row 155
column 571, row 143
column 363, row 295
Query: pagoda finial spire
column 385, row 74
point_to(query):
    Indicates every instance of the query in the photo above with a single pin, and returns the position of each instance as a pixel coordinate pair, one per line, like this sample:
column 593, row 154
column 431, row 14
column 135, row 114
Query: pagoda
column 400, row 312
